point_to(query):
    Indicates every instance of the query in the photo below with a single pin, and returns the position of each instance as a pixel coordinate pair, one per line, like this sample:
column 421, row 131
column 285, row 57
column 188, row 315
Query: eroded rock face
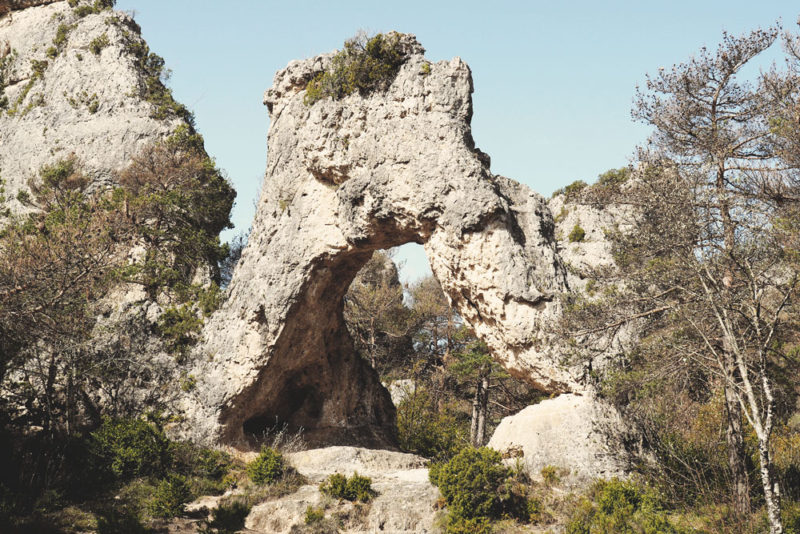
column 343, row 179
column 79, row 103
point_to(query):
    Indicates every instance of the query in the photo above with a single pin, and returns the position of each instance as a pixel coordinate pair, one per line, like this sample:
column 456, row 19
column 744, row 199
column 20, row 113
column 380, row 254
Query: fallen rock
column 578, row 435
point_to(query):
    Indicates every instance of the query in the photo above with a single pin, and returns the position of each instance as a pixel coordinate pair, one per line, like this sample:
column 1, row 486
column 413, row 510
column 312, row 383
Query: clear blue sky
column 554, row 81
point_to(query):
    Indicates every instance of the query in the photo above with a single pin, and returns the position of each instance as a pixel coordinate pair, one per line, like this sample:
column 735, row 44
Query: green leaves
column 355, row 488
column 267, row 468
column 364, row 65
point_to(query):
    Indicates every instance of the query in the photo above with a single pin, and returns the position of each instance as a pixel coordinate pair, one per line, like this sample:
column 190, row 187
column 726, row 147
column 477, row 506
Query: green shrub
column 472, row 525
column 364, row 65
column 614, row 177
column 170, row 497
column 550, row 475
column 98, row 44
column 577, row 234
column 790, row 514
column 314, row 515
column 88, row 9
column 473, row 483
column 179, row 327
column 227, row 518
column 267, row 467
column 61, row 38
column 190, row 460
column 571, row 190
column 355, row 488
column 620, row 506
column 425, row 430
column 127, row 448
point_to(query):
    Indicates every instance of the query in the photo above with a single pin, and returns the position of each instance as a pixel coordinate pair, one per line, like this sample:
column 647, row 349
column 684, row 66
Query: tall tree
column 707, row 260
column 709, row 250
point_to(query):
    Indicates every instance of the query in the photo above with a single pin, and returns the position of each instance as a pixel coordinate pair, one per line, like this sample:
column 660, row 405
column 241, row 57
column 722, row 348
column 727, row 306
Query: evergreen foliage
column 355, row 488
column 363, row 65
column 621, row 506
column 267, row 468
column 477, row 487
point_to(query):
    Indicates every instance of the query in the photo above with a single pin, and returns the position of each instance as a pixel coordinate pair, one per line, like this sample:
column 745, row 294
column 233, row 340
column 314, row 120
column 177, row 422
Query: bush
column 127, row 448
column 620, row 506
column 473, row 525
column 356, row 488
column 550, row 475
column 190, row 460
column 364, row 65
column 577, row 234
column 179, row 327
column 98, row 44
column 614, row 177
column 475, row 484
column 227, row 518
column 267, row 468
column 314, row 515
column 170, row 497
column 572, row 190
column 424, row 430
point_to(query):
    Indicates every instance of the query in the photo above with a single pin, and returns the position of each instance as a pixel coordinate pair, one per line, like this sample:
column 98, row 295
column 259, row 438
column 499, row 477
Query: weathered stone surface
column 52, row 116
column 405, row 500
column 345, row 178
column 573, row 432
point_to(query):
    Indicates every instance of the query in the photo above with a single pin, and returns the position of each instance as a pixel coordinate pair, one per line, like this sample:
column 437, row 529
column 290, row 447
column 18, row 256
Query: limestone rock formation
column 62, row 95
column 72, row 84
column 405, row 500
column 344, row 178
column 574, row 433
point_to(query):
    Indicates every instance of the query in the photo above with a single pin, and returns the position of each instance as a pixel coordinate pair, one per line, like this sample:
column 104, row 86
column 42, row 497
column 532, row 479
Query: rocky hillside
column 76, row 81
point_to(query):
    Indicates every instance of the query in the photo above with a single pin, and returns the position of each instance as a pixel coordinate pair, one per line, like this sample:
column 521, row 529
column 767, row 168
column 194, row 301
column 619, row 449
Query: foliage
column 355, row 488
column 154, row 76
column 128, row 448
column 180, row 202
column 170, row 497
column 425, row 430
column 572, row 190
column 469, row 525
column 190, row 460
column 620, row 506
column 99, row 43
column 375, row 314
column 364, row 65
column 38, row 67
column 313, row 515
column 179, row 327
column 476, row 484
column 267, row 467
column 98, row 6
column 577, row 234
column 227, row 518
column 550, row 475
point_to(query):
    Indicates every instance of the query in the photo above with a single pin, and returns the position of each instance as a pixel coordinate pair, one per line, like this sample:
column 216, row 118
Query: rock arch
column 343, row 179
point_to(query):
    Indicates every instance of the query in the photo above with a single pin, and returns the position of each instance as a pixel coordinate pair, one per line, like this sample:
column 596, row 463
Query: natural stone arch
column 343, row 179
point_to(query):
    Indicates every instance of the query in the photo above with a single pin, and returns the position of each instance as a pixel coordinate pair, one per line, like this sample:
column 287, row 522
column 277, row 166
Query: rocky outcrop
column 405, row 500
column 582, row 438
column 61, row 96
column 344, row 178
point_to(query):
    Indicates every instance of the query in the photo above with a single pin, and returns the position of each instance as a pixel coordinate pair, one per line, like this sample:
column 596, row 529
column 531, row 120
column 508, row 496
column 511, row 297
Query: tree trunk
column 772, row 492
column 483, row 407
column 736, row 454
column 473, row 426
